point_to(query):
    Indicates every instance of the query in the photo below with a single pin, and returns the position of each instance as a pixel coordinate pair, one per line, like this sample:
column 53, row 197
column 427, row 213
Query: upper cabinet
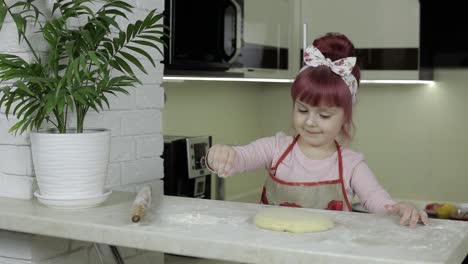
column 385, row 33
column 269, row 42
column 368, row 23
column 267, row 39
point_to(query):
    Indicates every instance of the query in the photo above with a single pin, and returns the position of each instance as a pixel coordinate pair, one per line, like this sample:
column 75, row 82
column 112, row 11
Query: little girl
column 311, row 169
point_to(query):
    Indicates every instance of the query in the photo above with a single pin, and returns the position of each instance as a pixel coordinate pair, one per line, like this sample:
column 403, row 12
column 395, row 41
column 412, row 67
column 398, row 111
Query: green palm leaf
column 76, row 76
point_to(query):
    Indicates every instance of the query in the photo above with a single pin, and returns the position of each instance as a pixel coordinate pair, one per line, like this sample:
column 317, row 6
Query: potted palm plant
column 89, row 58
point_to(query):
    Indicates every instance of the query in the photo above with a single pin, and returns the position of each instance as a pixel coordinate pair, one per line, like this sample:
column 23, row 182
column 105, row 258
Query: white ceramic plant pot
column 71, row 167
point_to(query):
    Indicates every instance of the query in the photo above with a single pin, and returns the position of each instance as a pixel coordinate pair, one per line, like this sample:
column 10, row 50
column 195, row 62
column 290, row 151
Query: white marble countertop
column 225, row 230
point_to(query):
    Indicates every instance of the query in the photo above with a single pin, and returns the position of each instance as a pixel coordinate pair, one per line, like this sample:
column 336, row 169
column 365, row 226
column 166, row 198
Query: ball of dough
column 292, row 220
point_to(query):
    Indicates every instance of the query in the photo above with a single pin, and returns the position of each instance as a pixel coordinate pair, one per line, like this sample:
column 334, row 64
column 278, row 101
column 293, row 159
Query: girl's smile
column 318, row 126
column 312, row 132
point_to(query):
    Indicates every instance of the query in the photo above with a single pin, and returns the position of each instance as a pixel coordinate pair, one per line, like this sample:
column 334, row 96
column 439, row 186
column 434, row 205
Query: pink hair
column 319, row 86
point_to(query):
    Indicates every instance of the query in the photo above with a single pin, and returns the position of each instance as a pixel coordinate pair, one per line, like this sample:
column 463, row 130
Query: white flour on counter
column 200, row 215
column 193, row 213
column 200, row 219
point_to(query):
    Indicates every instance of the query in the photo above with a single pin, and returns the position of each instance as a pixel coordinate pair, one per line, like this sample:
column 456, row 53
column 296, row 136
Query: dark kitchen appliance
column 204, row 35
column 185, row 173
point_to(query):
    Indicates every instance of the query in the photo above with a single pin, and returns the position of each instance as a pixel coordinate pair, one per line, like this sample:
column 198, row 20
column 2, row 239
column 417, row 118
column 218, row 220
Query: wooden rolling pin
column 141, row 204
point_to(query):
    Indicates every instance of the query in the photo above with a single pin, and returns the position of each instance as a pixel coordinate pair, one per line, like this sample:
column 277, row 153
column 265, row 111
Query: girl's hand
column 221, row 159
column 409, row 214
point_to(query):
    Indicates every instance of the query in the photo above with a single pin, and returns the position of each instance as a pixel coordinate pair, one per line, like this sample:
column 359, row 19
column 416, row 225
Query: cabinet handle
column 304, row 44
column 304, row 37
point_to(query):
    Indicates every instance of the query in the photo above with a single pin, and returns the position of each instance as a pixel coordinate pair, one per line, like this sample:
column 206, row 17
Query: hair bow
column 342, row 67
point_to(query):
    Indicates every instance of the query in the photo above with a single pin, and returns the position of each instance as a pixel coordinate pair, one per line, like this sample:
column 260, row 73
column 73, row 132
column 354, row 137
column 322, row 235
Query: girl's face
column 318, row 126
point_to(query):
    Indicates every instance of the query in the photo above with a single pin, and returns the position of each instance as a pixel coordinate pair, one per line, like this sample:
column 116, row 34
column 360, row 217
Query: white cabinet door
column 267, row 22
column 368, row 23
column 385, row 32
column 267, row 38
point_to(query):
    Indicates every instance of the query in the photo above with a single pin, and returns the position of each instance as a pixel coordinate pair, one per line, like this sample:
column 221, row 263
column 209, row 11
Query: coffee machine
column 185, row 172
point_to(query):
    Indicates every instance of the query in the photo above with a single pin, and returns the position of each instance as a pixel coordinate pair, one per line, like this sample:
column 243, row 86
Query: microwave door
column 232, row 38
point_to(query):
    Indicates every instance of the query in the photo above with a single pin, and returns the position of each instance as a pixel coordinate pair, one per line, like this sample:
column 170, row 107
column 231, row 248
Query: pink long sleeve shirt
column 296, row 167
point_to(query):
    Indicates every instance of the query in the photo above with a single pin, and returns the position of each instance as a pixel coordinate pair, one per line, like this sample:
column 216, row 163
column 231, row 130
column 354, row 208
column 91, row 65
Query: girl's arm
column 258, row 154
column 372, row 195
column 227, row 160
column 376, row 200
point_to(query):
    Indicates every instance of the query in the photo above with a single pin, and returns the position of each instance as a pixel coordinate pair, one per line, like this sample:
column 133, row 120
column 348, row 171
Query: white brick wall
column 16, row 159
column 31, row 248
column 17, row 186
column 10, row 44
column 7, row 138
column 135, row 122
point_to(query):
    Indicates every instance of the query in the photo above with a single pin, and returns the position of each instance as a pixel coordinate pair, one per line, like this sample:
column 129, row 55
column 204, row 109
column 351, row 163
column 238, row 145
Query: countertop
column 225, row 230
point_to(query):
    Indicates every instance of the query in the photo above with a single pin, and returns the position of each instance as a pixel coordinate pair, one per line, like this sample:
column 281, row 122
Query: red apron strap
column 285, row 153
column 264, row 199
column 340, row 170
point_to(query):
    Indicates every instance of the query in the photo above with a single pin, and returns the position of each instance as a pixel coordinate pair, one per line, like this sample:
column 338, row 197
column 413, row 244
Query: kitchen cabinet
column 268, row 38
column 386, row 33
column 368, row 23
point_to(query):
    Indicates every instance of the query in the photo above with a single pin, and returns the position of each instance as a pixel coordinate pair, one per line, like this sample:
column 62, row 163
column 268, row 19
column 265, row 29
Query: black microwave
column 204, row 35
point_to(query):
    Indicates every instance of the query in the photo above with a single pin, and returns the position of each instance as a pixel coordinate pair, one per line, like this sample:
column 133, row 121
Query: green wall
column 413, row 136
column 228, row 111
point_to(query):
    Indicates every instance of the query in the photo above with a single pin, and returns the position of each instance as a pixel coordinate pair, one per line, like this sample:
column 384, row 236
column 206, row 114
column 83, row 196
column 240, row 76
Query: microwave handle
column 238, row 31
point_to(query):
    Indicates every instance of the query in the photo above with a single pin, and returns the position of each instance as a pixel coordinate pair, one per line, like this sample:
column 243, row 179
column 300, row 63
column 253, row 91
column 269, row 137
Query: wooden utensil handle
column 138, row 213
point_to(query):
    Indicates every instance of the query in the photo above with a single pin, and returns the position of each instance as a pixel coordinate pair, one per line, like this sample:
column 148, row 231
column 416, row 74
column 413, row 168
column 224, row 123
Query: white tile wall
column 135, row 122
